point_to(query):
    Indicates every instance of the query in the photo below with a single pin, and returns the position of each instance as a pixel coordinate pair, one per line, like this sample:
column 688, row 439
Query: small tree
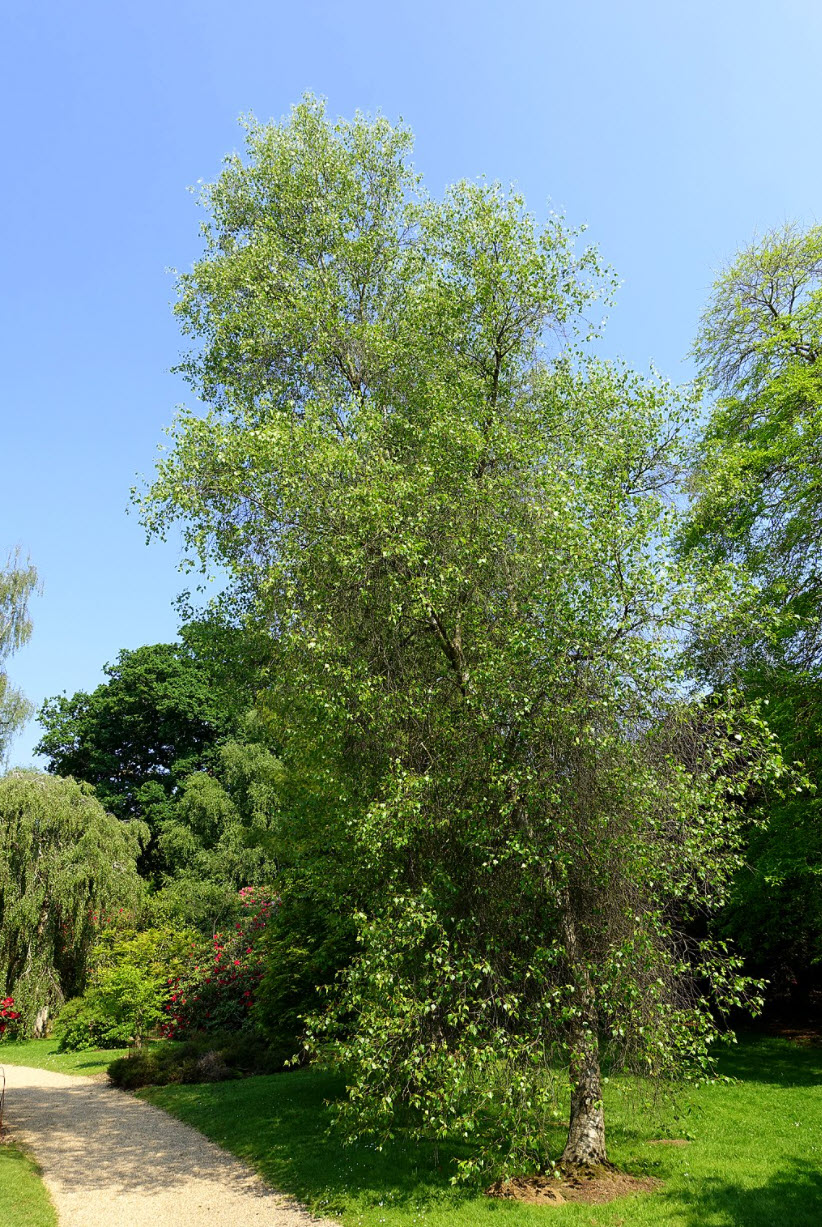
column 458, row 539
column 64, row 863
column 18, row 580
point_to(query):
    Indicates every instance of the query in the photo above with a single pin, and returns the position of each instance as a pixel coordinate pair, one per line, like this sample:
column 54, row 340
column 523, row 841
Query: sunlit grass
column 754, row 1158
column 43, row 1054
column 24, row 1201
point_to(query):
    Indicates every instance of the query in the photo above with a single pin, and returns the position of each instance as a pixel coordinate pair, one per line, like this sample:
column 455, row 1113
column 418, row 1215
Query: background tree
column 757, row 499
column 18, row 580
column 459, row 547
column 157, row 719
column 757, row 502
column 64, row 864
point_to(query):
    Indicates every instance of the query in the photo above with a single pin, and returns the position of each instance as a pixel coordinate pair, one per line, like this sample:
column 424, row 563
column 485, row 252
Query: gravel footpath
column 110, row 1160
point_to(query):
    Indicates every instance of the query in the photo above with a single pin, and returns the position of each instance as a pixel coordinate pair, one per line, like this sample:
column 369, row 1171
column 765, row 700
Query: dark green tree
column 157, row 719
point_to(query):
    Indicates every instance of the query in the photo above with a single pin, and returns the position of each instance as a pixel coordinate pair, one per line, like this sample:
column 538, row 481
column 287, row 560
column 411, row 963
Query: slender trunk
column 586, row 1130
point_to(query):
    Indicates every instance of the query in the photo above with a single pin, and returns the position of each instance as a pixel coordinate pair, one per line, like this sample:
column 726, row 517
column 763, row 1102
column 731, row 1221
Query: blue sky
column 674, row 130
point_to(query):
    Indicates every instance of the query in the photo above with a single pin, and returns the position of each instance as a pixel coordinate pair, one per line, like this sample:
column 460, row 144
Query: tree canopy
column 65, row 864
column 455, row 526
column 136, row 737
column 756, row 491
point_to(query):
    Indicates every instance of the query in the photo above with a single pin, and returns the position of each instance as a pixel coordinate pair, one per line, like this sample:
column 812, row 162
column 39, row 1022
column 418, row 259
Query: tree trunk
column 586, row 1130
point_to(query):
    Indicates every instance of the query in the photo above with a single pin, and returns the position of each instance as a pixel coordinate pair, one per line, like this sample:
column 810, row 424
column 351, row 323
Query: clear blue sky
column 675, row 130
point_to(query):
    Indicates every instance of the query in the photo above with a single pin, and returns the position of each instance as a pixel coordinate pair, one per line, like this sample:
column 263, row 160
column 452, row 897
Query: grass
column 24, row 1201
column 43, row 1054
column 755, row 1158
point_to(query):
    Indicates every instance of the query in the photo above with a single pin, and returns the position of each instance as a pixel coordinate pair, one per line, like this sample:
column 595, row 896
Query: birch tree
column 454, row 525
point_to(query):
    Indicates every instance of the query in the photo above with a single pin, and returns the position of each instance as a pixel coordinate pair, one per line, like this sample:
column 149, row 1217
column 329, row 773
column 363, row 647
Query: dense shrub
column 304, row 948
column 219, row 993
column 128, row 990
column 207, row 1057
column 123, row 1007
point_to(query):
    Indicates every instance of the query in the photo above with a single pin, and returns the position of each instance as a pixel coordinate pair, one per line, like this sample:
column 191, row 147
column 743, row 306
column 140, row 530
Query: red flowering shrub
column 218, row 994
column 9, row 1017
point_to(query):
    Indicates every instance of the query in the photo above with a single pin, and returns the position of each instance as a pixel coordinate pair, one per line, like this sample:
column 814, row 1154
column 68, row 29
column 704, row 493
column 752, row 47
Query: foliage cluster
column 129, row 987
column 63, row 862
column 214, row 1056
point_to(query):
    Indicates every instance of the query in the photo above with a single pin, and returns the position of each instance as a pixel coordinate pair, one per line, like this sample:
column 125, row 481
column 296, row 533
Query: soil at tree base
column 590, row 1186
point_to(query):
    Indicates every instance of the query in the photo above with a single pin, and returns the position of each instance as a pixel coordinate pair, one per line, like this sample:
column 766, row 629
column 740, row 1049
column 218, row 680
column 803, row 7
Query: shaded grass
column 755, row 1158
column 43, row 1054
column 24, row 1201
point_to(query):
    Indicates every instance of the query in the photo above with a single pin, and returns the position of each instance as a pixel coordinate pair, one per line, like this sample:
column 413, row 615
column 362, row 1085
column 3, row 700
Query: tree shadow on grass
column 778, row 1062
column 279, row 1124
column 791, row 1198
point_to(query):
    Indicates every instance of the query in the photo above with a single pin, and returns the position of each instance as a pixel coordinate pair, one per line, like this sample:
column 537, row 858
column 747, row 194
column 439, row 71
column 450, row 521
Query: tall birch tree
column 454, row 526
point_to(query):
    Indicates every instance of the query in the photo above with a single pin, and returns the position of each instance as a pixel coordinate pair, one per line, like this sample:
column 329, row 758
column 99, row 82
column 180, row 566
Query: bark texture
column 586, row 1130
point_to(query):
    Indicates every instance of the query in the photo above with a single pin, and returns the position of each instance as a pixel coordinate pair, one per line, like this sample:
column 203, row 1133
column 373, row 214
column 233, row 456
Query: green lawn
column 43, row 1054
column 755, row 1159
column 24, row 1201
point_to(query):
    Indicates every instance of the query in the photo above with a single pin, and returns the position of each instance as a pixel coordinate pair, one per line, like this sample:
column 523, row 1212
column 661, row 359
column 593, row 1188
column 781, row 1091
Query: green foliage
column 139, row 734
column 774, row 911
column 756, row 494
column 757, row 505
column 64, row 864
column 306, row 944
column 129, row 987
column 459, row 540
column 122, row 1007
column 223, row 820
column 18, row 581
column 213, row 1057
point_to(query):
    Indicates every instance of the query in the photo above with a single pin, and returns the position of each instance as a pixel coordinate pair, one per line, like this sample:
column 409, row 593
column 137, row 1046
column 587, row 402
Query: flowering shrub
column 219, row 993
column 9, row 1018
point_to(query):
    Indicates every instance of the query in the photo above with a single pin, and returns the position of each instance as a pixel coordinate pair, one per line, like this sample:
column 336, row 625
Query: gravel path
column 110, row 1160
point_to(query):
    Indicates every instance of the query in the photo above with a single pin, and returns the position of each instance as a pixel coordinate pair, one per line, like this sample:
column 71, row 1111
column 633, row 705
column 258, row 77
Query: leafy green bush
column 129, row 988
column 122, row 1008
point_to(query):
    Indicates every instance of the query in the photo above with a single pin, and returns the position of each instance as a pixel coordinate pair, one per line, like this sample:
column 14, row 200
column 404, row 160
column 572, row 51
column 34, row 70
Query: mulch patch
column 593, row 1187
